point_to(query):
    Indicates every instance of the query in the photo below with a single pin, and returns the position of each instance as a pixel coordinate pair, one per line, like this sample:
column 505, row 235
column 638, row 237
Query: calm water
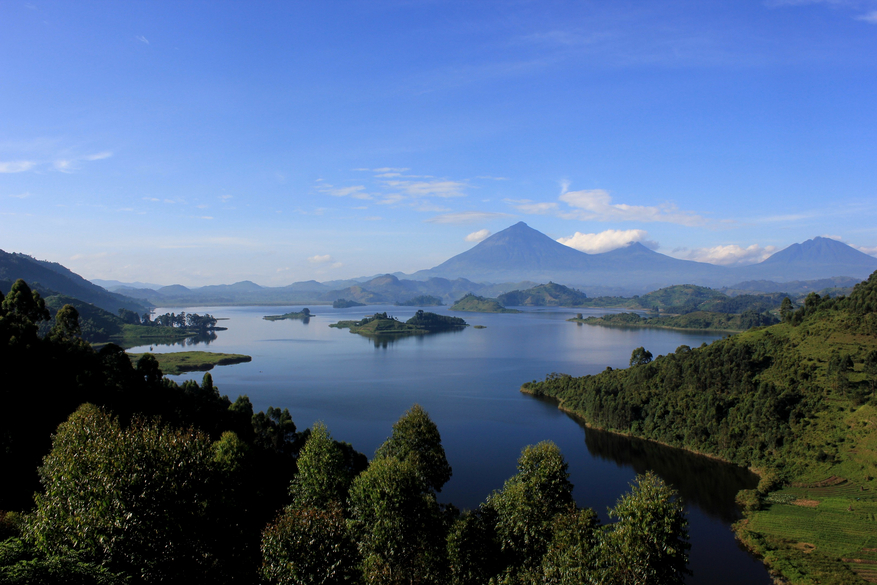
column 469, row 383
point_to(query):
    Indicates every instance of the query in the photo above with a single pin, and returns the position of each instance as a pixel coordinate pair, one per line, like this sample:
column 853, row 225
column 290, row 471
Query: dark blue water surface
column 469, row 383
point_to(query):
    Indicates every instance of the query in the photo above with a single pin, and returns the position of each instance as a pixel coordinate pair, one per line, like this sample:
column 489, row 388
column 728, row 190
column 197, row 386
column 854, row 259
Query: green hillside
column 544, row 295
column 795, row 401
column 478, row 304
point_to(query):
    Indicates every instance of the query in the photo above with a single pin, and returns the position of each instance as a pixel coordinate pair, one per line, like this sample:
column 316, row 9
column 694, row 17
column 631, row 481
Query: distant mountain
column 115, row 285
column 814, row 259
column 522, row 253
column 51, row 276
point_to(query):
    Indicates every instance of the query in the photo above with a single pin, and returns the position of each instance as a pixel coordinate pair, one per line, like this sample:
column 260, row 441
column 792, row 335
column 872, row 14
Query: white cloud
column 870, row 18
column 596, row 205
column 466, row 217
column 478, row 236
column 318, row 259
column 355, row 192
column 870, row 250
column 532, row 207
column 429, row 188
column 24, row 195
column 18, row 166
column 99, row 155
column 731, row 254
column 606, row 240
column 142, row 39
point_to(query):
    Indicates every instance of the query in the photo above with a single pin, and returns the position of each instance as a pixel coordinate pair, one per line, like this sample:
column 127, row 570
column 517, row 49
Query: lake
column 469, row 383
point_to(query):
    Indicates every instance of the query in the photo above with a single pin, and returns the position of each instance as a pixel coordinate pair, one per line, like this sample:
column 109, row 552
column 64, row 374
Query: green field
column 192, row 361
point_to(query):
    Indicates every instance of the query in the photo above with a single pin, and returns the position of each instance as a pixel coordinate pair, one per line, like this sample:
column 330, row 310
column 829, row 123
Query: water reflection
column 709, row 484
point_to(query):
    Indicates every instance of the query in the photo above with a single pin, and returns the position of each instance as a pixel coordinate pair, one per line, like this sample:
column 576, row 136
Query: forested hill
column 50, row 276
column 795, row 400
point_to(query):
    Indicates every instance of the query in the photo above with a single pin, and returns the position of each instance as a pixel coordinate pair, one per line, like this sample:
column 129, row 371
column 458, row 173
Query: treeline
column 182, row 320
column 704, row 320
column 149, row 481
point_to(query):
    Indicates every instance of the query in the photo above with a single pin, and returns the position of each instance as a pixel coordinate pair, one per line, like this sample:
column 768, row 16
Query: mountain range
column 516, row 258
column 523, row 253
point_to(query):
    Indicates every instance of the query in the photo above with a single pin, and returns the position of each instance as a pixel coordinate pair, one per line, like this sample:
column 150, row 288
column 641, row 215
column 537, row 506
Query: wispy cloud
column 18, row 166
column 354, row 192
column 142, row 39
column 870, row 17
column 729, row 255
column 466, row 217
column 478, row 236
column 24, row 195
column 437, row 188
column 532, row 207
column 98, row 156
column 320, row 259
column 606, row 240
column 597, row 205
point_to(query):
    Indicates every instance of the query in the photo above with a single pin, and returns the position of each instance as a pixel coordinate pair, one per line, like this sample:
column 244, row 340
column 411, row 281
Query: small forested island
column 192, row 361
column 345, row 304
column 422, row 301
column 698, row 320
column 420, row 324
column 477, row 304
column 794, row 401
column 304, row 315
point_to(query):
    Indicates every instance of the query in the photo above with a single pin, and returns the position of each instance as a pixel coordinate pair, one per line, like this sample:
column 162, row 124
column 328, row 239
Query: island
column 304, row 315
column 544, row 295
column 344, row 304
column 420, row 324
column 476, row 304
column 422, row 301
column 192, row 361
column 698, row 320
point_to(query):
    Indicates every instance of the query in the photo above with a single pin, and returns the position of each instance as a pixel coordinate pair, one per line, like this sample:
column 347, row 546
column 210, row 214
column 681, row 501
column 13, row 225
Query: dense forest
column 794, row 400
column 123, row 476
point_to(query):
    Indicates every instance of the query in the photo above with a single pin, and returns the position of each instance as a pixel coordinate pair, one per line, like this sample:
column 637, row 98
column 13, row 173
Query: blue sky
column 211, row 142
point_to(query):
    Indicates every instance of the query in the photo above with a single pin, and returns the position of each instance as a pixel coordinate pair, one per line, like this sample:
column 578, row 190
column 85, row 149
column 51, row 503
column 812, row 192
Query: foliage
column 528, row 502
column 178, row 362
column 640, row 357
column 422, row 301
column 309, row 546
column 651, row 536
column 133, row 499
column 421, row 323
column 21, row 564
column 416, row 439
column 323, row 477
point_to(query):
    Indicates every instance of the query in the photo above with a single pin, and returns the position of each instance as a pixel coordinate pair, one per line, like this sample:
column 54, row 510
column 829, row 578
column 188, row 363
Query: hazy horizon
column 211, row 143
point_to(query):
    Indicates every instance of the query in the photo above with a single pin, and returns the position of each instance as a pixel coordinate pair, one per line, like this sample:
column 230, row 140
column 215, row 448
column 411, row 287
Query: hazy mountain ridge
column 51, row 277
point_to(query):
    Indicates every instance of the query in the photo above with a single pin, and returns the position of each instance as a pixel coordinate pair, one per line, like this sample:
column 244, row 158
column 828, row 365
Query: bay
column 469, row 383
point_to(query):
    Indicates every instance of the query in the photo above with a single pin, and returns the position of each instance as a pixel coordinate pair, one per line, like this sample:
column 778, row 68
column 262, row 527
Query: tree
column 134, row 499
column 323, row 479
column 640, row 356
column 66, row 324
column 416, row 438
column 397, row 524
column 24, row 302
column 572, row 554
column 309, row 546
column 786, row 310
column 528, row 502
column 649, row 543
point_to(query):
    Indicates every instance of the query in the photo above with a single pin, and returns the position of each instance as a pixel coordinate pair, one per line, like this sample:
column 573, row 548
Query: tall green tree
column 416, row 438
column 526, row 506
column 323, row 478
column 649, row 542
column 398, row 525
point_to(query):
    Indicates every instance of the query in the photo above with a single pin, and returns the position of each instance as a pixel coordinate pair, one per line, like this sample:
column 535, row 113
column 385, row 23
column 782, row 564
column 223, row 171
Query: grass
column 192, row 361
